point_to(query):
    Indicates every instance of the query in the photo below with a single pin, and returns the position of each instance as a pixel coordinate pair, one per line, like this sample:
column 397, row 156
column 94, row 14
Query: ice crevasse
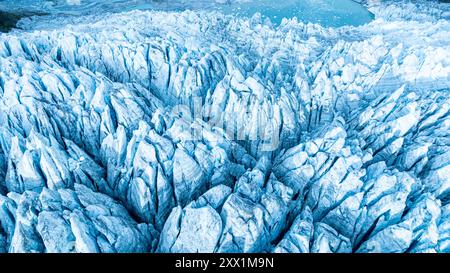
column 97, row 156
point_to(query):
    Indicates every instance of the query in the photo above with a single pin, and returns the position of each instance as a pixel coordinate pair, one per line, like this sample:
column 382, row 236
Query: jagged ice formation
column 198, row 132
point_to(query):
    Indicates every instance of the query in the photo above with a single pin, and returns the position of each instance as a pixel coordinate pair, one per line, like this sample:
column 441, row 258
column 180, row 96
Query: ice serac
column 193, row 230
column 202, row 132
column 78, row 220
column 255, row 214
column 297, row 238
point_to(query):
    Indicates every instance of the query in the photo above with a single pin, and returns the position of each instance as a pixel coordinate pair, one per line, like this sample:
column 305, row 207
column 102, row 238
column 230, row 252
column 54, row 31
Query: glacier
column 201, row 131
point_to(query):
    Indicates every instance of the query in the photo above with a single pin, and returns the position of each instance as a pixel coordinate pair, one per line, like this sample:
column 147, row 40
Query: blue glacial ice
column 203, row 130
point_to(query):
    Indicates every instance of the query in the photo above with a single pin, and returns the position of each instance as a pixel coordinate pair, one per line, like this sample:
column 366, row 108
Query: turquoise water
column 332, row 13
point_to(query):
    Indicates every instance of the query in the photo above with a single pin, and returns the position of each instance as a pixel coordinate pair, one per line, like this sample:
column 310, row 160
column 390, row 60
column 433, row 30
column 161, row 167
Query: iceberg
column 209, row 130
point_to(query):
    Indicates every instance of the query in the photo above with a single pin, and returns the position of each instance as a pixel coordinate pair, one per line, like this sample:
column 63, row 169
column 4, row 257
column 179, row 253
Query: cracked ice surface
column 97, row 156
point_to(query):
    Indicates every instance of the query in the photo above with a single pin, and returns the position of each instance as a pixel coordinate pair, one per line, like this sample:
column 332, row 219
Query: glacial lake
column 332, row 13
column 329, row 13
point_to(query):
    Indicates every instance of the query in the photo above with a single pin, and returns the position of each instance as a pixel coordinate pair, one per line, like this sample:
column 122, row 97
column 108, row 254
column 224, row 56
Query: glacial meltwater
column 325, row 12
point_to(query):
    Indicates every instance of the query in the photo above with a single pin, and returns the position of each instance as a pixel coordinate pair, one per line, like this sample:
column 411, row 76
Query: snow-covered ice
column 198, row 131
